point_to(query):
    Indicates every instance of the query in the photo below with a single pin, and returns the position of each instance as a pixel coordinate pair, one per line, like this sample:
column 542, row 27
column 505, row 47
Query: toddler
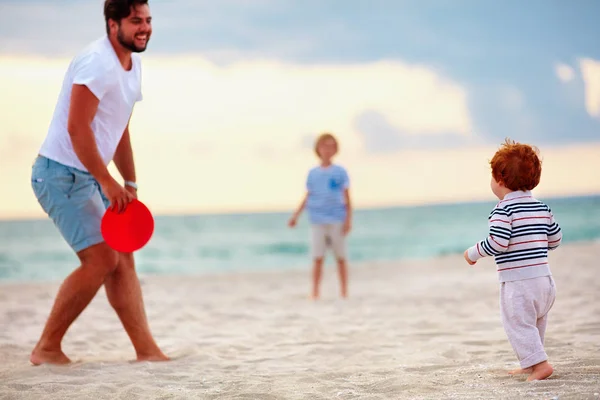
column 521, row 231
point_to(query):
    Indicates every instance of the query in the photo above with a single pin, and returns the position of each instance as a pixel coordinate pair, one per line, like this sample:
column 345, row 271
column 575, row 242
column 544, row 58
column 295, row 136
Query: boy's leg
column 343, row 274
column 318, row 247
column 548, row 291
column 548, row 302
column 519, row 317
column 317, row 274
column 338, row 244
column 541, row 326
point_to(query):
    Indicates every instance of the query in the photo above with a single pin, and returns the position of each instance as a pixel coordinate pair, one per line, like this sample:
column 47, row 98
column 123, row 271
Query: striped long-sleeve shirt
column 522, row 230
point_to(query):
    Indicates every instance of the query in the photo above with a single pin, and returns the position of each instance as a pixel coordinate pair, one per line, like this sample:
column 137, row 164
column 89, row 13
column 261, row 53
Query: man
column 70, row 179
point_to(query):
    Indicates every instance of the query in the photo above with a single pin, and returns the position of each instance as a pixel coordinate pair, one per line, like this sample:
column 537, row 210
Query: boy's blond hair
column 322, row 137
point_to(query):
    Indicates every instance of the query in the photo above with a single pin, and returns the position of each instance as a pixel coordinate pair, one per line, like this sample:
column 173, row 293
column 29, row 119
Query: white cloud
column 276, row 101
column 235, row 112
column 210, row 138
column 564, row 72
column 590, row 71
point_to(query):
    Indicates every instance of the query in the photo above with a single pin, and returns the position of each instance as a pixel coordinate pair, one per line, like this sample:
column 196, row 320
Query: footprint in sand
column 454, row 354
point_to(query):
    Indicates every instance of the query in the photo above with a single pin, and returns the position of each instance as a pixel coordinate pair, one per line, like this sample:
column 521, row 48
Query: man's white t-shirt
column 98, row 68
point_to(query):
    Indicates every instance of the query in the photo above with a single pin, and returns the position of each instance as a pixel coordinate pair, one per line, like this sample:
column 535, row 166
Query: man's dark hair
column 119, row 9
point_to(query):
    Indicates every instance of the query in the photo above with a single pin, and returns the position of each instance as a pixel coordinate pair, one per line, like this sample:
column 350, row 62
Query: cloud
column 308, row 142
column 590, row 71
column 564, row 72
column 49, row 28
column 278, row 103
column 381, row 136
column 252, row 100
column 224, row 32
column 201, row 124
column 15, row 147
column 216, row 138
column 544, row 115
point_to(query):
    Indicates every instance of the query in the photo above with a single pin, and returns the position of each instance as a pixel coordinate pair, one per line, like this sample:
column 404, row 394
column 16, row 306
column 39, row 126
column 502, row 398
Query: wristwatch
column 131, row 184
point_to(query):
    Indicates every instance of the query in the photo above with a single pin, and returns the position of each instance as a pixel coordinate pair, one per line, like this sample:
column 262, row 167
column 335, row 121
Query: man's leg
column 76, row 292
column 125, row 295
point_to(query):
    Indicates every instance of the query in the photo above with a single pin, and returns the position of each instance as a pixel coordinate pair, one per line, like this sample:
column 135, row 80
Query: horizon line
column 189, row 213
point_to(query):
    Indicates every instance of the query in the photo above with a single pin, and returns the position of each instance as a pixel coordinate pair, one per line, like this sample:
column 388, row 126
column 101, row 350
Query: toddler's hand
column 467, row 258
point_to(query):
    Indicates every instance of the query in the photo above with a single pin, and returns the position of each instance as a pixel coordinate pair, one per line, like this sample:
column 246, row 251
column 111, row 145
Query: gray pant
column 525, row 305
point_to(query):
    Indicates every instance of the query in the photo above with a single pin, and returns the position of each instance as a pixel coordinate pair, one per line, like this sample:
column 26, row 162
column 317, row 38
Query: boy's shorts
column 332, row 235
column 73, row 200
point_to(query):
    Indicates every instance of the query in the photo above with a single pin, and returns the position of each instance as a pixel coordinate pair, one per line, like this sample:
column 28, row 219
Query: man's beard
column 129, row 45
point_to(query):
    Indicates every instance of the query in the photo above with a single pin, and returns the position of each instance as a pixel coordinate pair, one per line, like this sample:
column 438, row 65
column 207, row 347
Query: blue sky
column 416, row 85
column 489, row 47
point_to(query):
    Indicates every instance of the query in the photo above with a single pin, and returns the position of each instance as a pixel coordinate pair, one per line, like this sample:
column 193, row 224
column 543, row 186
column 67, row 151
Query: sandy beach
column 410, row 330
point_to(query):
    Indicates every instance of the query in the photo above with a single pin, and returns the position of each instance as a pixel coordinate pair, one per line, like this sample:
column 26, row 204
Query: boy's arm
column 497, row 241
column 348, row 222
column 554, row 234
column 298, row 210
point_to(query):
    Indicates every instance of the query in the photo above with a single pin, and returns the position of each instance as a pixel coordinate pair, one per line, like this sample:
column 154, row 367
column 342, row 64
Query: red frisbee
column 130, row 230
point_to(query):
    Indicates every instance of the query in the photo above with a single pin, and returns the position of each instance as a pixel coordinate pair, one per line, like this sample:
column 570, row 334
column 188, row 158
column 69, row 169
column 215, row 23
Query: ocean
column 33, row 250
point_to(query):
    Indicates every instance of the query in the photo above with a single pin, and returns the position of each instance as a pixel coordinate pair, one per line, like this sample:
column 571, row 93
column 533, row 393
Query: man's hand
column 347, row 227
column 118, row 196
column 131, row 191
column 466, row 255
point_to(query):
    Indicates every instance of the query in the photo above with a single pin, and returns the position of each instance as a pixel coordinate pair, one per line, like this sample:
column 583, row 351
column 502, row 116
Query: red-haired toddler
column 522, row 230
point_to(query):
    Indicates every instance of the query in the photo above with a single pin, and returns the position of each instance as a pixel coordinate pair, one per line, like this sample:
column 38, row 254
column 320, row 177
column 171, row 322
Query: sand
column 410, row 330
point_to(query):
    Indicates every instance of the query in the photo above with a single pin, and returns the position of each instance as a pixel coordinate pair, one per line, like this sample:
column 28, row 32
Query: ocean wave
column 283, row 248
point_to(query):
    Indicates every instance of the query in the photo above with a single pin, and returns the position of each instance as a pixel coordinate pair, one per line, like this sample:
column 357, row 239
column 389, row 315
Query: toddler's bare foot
column 520, row 371
column 314, row 296
column 540, row 371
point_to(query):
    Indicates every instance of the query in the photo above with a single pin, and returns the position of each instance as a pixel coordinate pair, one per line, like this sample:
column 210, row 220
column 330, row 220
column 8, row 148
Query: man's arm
column 123, row 157
column 497, row 241
column 82, row 111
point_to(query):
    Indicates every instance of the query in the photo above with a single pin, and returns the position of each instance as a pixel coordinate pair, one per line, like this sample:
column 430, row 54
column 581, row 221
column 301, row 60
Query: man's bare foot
column 41, row 356
column 153, row 357
column 520, row 371
column 540, row 371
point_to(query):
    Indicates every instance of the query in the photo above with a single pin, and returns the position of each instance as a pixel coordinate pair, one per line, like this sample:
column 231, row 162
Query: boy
column 328, row 202
column 522, row 230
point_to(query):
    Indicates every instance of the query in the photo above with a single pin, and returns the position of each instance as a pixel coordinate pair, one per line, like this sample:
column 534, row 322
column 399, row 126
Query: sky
column 419, row 93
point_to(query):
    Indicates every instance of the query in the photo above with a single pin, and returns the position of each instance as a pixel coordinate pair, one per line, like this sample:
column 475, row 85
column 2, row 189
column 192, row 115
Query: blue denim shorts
column 73, row 200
